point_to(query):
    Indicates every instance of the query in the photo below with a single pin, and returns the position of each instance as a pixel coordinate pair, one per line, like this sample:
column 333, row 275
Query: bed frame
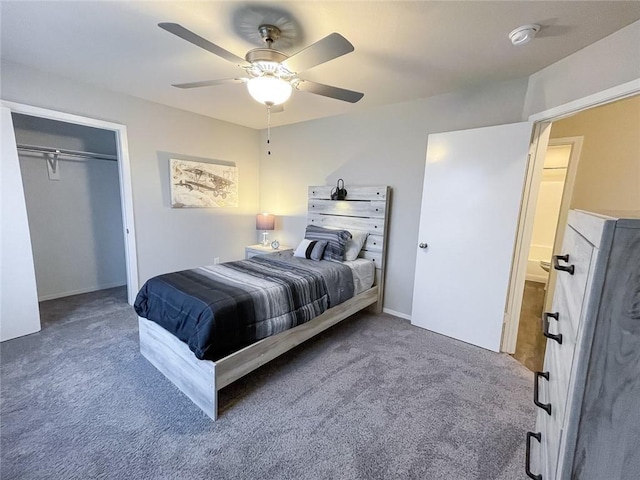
column 366, row 209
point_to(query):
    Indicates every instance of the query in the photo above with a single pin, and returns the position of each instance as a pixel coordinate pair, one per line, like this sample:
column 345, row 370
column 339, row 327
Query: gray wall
column 387, row 145
column 76, row 222
column 167, row 239
column 612, row 61
column 384, row 146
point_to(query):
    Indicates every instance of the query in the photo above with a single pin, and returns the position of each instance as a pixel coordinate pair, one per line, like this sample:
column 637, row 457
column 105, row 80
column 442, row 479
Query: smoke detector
column 524, row 34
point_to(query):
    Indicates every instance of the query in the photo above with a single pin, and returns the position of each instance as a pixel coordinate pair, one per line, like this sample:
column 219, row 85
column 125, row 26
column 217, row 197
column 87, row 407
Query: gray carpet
column 372, row 398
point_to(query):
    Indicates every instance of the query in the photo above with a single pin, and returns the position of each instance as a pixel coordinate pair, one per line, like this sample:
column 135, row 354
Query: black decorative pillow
column 311, row 249
column 336, row 241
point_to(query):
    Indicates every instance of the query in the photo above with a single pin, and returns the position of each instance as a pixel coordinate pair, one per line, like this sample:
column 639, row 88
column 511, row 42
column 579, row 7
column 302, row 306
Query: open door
column 19, row 311
column 473, row 186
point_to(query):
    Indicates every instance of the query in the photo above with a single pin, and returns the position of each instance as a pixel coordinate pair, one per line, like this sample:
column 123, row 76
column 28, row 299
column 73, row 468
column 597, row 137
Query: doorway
column 20, row 314
column 559, row 162
column 72, row 194
column 604, row 181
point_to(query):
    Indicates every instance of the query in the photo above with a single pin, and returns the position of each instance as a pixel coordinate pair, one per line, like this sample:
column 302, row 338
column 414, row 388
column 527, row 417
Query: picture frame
column 198, row 184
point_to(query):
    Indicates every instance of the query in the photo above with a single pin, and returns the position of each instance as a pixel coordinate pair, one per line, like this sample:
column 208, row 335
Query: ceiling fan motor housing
column 269, row 33
column 265, row 55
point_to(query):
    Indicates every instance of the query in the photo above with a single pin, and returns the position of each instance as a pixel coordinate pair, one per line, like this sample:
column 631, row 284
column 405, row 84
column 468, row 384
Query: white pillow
column 354, row 245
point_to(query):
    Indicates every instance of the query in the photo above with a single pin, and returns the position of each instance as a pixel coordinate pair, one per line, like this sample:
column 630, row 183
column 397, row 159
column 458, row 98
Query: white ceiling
column 403, row 50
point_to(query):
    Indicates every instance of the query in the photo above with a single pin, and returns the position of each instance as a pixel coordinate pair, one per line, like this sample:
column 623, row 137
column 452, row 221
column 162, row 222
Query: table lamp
column 265, row 222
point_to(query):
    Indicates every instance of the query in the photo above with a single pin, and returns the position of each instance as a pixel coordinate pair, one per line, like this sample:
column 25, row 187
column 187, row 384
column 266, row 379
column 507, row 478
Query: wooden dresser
column 588, row 394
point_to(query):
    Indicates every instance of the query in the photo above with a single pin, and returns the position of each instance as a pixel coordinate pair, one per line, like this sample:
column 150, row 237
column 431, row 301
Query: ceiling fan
column 272, row 74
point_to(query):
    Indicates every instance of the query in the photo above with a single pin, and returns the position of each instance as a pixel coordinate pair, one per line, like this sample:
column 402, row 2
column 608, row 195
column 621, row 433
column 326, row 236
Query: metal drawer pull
column 564, row 258
column 545, row 406
column 545, row 323
column 527, row 463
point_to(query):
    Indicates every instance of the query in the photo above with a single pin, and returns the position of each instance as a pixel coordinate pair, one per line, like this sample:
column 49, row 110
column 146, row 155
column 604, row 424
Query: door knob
column 422, row 245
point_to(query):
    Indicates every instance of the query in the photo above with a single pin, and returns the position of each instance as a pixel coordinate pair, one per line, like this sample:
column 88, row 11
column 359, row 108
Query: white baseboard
column 53, row 296
column 404, row 316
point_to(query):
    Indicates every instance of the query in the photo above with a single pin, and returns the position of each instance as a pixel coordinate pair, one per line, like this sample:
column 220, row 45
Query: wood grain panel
column 195, row 378
column 376, row 192
column 372, row 225
column 609, row 429
column 574, row 286
column 374, row 243
column 375, row 209
column 590, row 226
column 375, row 257
column 563, row 353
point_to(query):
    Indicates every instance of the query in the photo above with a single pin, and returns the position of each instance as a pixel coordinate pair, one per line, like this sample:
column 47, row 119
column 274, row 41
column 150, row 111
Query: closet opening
column 70, row 177
column 20, row 309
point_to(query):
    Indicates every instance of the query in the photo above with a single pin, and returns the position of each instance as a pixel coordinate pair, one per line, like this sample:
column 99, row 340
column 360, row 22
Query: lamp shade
column 269, row 90
column 264, row 221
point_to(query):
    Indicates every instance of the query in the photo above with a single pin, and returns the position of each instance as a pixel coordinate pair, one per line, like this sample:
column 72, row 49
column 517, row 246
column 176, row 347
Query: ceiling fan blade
column 197, row 40
column 209, row 83
column 330, row 47
column 329, row 91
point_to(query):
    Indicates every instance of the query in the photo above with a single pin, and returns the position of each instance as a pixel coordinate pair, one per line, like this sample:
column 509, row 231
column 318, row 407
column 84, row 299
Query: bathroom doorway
column 604, row 129
column 556, row 184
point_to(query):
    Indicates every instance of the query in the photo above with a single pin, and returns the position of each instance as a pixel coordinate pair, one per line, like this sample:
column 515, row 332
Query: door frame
column 124, row 173
column 567, row 191
column 541, row 131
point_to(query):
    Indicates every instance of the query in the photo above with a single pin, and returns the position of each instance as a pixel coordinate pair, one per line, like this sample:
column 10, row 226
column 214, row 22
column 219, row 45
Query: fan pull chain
column 268, row 129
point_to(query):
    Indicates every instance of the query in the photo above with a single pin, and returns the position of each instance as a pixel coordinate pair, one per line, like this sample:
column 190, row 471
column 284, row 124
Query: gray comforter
column 220, row 309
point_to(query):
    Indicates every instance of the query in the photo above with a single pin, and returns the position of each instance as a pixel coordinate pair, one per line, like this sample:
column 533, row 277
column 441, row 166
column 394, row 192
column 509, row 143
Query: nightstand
column 253, row 250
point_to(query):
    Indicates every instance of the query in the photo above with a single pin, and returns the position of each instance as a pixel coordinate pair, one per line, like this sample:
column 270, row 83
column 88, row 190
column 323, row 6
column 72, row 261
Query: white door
column 473, row 184
column 19, row 311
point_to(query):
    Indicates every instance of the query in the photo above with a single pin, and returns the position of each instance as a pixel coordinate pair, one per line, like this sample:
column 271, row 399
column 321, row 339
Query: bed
column 238, row 343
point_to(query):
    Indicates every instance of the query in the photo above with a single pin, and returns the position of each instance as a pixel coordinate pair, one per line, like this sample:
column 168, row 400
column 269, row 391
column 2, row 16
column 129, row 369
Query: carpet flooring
column 372, row 398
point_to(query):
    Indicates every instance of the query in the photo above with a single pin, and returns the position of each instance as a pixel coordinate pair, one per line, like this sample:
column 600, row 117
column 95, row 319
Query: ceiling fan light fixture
column 269, row 90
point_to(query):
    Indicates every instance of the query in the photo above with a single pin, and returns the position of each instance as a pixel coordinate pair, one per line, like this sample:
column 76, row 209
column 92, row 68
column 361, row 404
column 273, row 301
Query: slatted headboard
column 366, row 208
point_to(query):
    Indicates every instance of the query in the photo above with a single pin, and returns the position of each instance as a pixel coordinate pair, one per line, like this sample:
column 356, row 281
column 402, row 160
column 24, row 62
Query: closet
column 71, row 185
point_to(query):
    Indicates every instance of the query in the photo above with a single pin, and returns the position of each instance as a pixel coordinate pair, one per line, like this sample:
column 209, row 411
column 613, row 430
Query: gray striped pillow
column 311, row 249
column 336, row 241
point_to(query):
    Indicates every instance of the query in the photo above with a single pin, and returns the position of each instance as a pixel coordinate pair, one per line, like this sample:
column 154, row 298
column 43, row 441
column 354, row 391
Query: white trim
column 567, row 193
column 124, row 167
column 404, row 316
column 605, row 96
column 80, row 291
column 537, row 152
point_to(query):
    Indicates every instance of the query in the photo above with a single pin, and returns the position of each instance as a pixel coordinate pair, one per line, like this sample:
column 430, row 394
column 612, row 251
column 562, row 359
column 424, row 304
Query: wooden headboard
column 366, row 208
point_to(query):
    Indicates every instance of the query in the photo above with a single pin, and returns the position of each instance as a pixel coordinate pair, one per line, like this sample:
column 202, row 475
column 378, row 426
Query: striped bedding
column 219, row 309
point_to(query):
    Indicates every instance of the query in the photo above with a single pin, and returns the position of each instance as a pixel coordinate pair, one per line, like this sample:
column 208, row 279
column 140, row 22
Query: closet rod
column 65, row 152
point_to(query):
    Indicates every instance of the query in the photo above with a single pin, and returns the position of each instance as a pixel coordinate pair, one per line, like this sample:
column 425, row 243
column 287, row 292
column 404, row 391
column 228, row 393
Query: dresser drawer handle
column 545, row 406
column 564, row 258
column 527, row 463
column 545, row 324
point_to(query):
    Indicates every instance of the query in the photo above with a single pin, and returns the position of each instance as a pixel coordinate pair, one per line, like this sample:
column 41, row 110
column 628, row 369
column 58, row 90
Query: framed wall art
column 202, row 185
